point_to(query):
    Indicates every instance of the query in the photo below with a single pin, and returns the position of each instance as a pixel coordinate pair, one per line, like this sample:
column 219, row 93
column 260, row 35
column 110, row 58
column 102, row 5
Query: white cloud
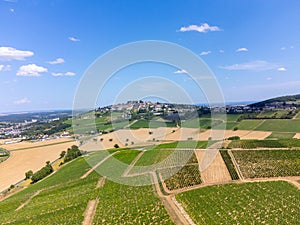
column 281, row 69
column 242, row 50
column 57, row 61
column 221, row 51
column 67, row 74
column 258, row 65
column 269, row 78
column 8, row 53
column 205, row 53
column 283, row 48
column 4, row 67
column 31, row 70
column 12, row 10
column 73, row 39
column 180, row 72
column 203, row 28
column 22, row 101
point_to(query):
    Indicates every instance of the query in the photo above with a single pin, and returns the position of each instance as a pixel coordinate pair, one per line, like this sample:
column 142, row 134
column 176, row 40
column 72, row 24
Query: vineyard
column 175, row 178
column 250, row 144
column 62, row 199
column 268, row 163
column 231, row 169
column 249, row 203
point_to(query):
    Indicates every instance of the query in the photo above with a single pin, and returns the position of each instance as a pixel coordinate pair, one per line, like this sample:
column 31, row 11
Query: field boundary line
column 239, row 172
column 28, row 200
column 182, row 211
column 90, row 212
column 98, row 164
column 41, row 146
column 129, row 168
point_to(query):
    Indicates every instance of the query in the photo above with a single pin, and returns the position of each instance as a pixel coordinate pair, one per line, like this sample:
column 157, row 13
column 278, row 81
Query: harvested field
column 216, row 171
column 145, row 136
column 13, row 169
column 29, row 144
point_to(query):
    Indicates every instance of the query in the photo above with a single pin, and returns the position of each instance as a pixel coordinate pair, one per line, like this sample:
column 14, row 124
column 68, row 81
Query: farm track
column 28, row 200
column 95, row 167
column 101, row 182
column 90, row 212
column 178, row 216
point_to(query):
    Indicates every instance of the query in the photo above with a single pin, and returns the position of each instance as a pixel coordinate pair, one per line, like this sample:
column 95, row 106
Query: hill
column 289, row 100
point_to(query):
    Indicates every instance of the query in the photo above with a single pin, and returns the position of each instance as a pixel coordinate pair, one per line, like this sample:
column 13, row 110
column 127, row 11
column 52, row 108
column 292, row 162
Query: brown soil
column 90, row 212
column 212, row 166
column 101, row 182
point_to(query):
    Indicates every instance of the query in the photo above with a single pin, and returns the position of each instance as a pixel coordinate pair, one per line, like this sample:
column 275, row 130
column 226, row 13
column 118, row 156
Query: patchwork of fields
column 118, row 182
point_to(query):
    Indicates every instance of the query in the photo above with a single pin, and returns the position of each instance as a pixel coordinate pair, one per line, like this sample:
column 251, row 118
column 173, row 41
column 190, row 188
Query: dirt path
column 101, row 182
column 98, row 164
column 176, row 215
column 28, row 200
column 212, row 167
column 90, row 212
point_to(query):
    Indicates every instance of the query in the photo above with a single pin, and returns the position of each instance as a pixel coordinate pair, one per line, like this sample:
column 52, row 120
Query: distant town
column 40, row 126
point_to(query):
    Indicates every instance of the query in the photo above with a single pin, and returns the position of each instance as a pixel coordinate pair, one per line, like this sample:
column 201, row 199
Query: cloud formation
column 67, row 74
column 4, row 67
column 22, row 101
column 258, row 65
column 180, row 72
column 31, row 70
column 242, row 50
column 203, row 28
column 281, row 69
column 8, row 53
column 205, row 53
column 73, row 39
column 57, row 61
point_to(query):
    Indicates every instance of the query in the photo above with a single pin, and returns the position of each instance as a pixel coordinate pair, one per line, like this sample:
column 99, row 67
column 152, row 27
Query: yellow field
column 13, row 169
column 29, row 144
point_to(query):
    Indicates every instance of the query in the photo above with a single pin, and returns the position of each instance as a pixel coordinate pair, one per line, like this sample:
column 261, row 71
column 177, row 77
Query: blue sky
column 252, row 47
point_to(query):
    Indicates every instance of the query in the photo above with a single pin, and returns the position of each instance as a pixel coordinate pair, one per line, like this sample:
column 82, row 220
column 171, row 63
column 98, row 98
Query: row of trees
column 45, row 171
column 71, row 154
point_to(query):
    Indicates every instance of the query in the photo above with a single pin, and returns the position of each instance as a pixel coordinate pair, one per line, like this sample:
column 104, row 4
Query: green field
column 280, row 125
column 64, row 197
column 248, row 203
column 151, row 124
column 250, row 144
column 281, row 135
column 248, row 124
column 185, row 144
column 268, row 163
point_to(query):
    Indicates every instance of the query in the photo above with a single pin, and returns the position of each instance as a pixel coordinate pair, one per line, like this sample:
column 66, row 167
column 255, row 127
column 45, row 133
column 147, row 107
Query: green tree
column 28, row 174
